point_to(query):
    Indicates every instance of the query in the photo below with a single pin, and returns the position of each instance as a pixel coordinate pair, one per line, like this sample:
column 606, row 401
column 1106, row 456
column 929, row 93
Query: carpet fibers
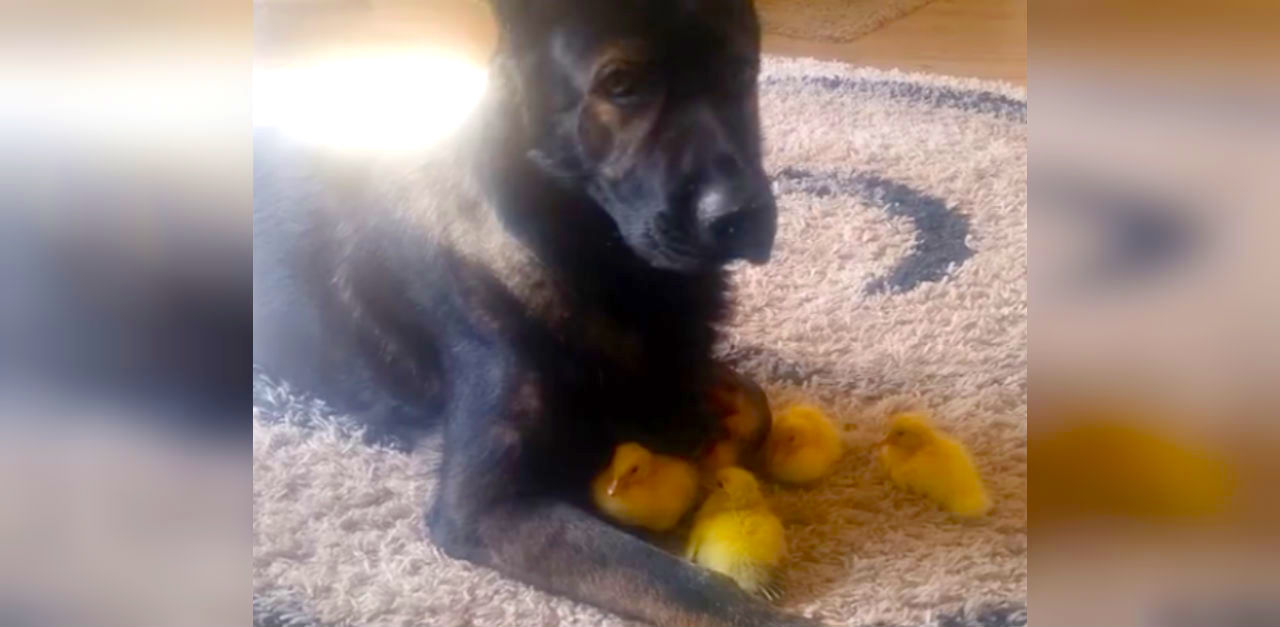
column 898, row 281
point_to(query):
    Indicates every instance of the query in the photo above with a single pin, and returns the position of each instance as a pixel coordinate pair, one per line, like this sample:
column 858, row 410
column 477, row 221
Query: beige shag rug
column 899, row 280
column 831, row 20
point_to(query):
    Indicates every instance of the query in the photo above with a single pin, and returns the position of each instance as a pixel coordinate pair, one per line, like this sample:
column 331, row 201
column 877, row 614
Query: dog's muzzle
column 737, row 221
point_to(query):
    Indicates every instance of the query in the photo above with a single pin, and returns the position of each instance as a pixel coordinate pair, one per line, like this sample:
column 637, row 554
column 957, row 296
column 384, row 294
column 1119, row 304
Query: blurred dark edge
column 125, row 204
column 144, row 310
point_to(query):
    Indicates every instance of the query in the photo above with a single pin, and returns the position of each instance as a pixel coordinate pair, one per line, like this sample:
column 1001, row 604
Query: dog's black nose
column 737, row 223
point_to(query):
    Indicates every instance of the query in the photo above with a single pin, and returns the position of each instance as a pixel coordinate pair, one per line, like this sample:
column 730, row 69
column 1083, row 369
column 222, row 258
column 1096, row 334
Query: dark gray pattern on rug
column 940, row 231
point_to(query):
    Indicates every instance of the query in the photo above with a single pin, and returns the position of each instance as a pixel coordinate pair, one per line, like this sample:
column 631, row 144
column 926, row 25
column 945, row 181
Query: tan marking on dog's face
column 623, row 98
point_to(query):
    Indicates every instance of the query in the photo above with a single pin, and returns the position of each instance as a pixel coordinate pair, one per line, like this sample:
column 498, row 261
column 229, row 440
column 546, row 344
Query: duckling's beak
column 613, row 487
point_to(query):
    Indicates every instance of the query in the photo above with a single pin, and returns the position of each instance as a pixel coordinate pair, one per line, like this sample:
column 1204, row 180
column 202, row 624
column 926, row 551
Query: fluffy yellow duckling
column 803, row 445
column 744, row 421
column 734, row 533
column 645, row 489
column 924, row 460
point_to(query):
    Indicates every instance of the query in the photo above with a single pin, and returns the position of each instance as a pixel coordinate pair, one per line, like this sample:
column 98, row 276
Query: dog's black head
column 650, row 107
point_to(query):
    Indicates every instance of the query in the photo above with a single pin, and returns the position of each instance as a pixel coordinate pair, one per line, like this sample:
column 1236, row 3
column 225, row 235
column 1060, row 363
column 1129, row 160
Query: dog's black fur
column 544, row 288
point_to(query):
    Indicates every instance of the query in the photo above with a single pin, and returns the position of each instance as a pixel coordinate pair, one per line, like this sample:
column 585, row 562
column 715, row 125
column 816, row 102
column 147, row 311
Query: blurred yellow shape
column 1110, row 464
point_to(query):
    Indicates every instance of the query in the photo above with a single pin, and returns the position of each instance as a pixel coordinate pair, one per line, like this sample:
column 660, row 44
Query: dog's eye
column 620, row 82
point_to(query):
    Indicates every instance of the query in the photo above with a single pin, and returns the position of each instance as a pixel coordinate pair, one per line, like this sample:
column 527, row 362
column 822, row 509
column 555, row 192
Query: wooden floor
column 980, row 38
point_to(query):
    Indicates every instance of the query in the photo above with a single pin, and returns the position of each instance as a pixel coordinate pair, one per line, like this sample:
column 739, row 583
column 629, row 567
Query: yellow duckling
column 803, row 445
column 734, row 533
column 924, row 460
column 645, row 489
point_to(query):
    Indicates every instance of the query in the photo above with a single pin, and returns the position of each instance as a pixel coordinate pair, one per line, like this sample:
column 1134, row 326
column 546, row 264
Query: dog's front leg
column 561, row 549
column 495, row 509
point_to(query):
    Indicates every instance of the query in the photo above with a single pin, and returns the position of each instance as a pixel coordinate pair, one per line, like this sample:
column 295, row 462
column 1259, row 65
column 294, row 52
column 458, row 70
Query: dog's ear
column 521, row 21
column 508, row 10
column 513, row 68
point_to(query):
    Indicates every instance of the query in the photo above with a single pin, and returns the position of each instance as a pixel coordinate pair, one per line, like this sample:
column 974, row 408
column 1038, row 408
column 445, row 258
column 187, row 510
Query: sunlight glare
column 382, row 102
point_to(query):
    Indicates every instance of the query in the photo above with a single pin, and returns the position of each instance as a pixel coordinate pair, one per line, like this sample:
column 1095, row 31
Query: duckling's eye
column 632, row 470
column 720, row 484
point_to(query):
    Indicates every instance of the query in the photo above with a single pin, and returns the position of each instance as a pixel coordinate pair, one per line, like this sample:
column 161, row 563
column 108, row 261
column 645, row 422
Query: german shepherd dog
column 543, row 286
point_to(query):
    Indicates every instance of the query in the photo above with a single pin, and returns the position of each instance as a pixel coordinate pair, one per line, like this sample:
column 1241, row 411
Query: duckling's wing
column 763, row 533
column 920, row 469
column 728, row 544
column 944, row 463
